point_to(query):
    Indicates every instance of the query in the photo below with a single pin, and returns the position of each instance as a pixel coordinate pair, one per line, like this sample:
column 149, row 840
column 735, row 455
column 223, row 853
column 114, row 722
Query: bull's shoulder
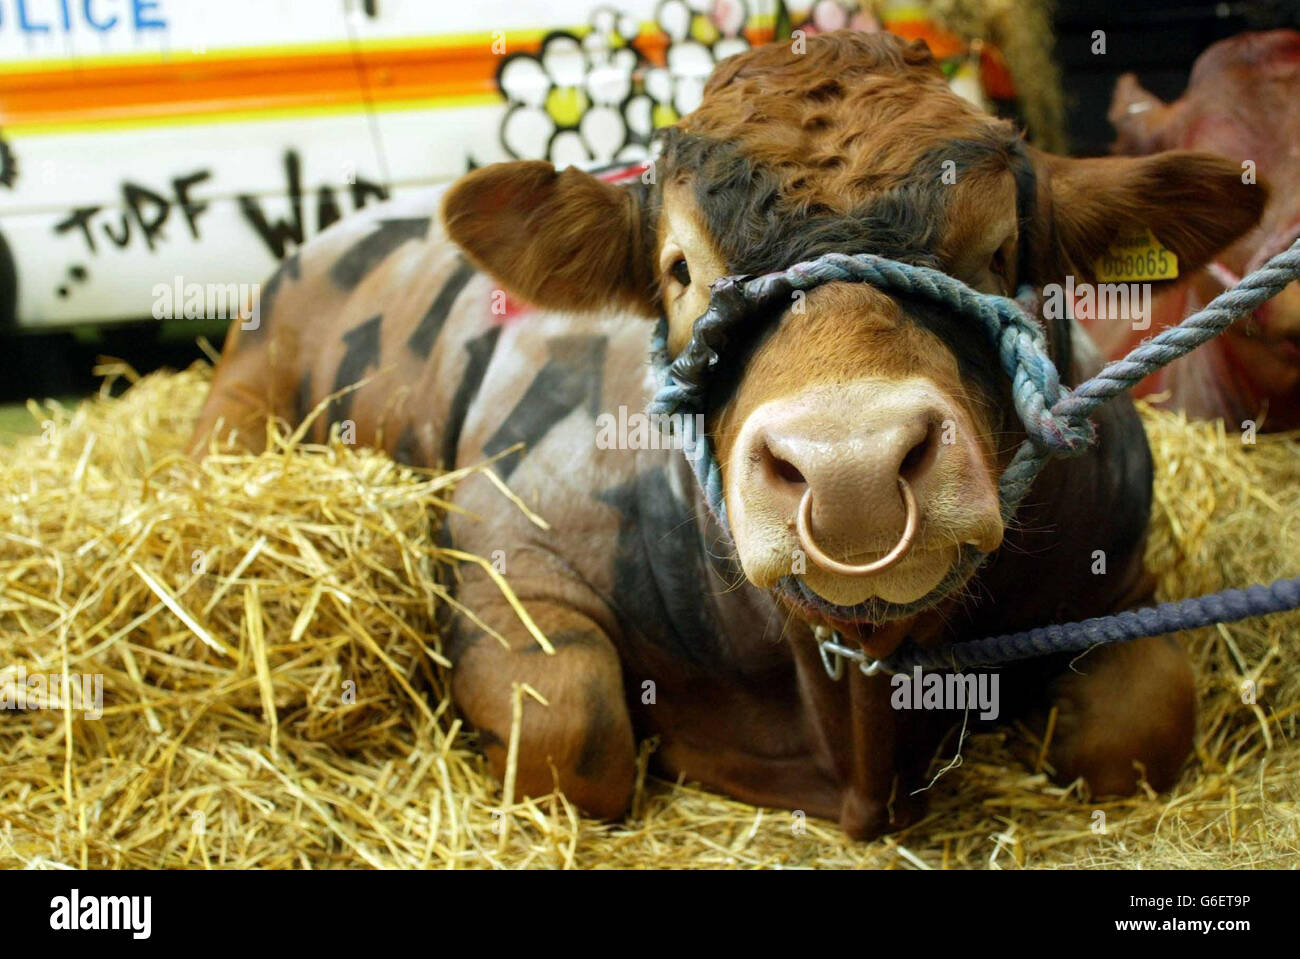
column 317, row 279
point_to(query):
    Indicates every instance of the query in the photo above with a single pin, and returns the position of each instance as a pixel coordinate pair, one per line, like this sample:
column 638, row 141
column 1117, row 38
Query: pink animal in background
column 1242, row 102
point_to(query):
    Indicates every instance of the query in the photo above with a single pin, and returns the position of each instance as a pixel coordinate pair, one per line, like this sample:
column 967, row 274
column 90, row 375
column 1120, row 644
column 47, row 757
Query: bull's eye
column 680, row 271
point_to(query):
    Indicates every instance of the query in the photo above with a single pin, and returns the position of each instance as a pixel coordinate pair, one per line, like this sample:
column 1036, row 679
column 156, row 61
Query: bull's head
column 1242, row 102
column 856, row 145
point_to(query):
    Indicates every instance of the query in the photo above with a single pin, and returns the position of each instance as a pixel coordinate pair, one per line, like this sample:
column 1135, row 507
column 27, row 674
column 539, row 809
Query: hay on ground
column 274, row 694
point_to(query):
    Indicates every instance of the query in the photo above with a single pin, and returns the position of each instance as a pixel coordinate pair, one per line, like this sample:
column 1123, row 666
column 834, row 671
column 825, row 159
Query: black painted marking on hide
column 480, row 350
column 571, row 378
column 430, row 326
column 364, row 255
column 661, row 578
column 361, row 351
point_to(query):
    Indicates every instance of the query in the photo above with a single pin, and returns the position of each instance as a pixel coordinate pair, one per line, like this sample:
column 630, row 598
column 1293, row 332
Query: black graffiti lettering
column 125, row 238
column 278, row 235
column 191, row 208
column 146, row 207
column 8, row 164
column 363, row 191
column 79, row 219
column 150, row 211
column 327, row 207
column 138, row 199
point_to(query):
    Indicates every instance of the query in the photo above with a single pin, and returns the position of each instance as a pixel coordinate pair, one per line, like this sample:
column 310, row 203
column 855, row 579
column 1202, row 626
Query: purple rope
column 1227, row 606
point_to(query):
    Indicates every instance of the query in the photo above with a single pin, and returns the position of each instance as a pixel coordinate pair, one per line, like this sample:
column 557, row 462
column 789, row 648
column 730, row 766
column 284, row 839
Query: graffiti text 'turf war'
column 145, row 213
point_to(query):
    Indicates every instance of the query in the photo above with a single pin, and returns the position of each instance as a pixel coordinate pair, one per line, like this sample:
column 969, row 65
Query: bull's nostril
column 788, row 471
column 918, row 458
column 779, row 467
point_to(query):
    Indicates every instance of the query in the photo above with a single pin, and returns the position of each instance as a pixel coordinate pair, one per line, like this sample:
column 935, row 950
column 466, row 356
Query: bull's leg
column 1125, row 712
column 245, row 393
column 875, row 754
column 582, row 741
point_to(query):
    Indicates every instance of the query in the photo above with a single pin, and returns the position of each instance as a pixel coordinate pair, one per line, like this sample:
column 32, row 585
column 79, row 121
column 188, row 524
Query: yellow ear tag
column 1137, row 255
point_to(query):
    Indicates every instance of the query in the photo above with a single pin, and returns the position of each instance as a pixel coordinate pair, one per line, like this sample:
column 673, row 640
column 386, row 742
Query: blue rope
column 1057, row 420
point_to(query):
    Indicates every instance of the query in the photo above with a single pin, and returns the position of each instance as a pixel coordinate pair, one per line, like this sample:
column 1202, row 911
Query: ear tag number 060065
column 1136, row 256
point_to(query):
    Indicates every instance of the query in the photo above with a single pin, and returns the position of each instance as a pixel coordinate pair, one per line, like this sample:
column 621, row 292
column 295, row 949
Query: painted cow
column 1243, row 102
column 665, row 623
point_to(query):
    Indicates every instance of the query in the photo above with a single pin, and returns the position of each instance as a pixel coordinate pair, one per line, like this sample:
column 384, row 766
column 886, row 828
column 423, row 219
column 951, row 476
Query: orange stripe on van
column 220, row 83
column 138, row 91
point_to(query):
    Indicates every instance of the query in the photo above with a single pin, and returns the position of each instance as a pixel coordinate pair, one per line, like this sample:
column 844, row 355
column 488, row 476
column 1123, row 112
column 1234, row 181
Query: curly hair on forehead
column 838, row 54
column 840, row 148
column 837, row 120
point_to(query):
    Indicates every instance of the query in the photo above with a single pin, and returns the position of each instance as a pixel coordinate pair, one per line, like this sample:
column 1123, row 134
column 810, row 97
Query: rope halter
column 1056, row 420
column 1011, row 327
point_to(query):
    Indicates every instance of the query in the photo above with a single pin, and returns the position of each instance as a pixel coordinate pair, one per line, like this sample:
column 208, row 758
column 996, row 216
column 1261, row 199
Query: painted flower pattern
column 699, row 34
column 598, row 98
column 598, row 95
column 565, row 103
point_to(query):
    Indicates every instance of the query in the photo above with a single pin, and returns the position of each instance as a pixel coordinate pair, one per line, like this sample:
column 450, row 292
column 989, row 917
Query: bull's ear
column 1194, row 203
column 1141, row 118
column 564, row 241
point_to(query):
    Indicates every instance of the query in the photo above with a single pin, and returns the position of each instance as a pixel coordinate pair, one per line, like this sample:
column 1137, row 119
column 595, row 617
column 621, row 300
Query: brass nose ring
column 803, row 527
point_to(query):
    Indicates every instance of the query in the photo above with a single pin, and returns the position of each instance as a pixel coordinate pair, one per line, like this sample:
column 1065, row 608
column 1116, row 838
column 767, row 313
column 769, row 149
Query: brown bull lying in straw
column 663, row 621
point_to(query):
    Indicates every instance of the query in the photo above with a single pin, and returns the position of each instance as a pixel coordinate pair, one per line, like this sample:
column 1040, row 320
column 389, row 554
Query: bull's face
column 860, row 437
column 825, row 408
column 1243, row 102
